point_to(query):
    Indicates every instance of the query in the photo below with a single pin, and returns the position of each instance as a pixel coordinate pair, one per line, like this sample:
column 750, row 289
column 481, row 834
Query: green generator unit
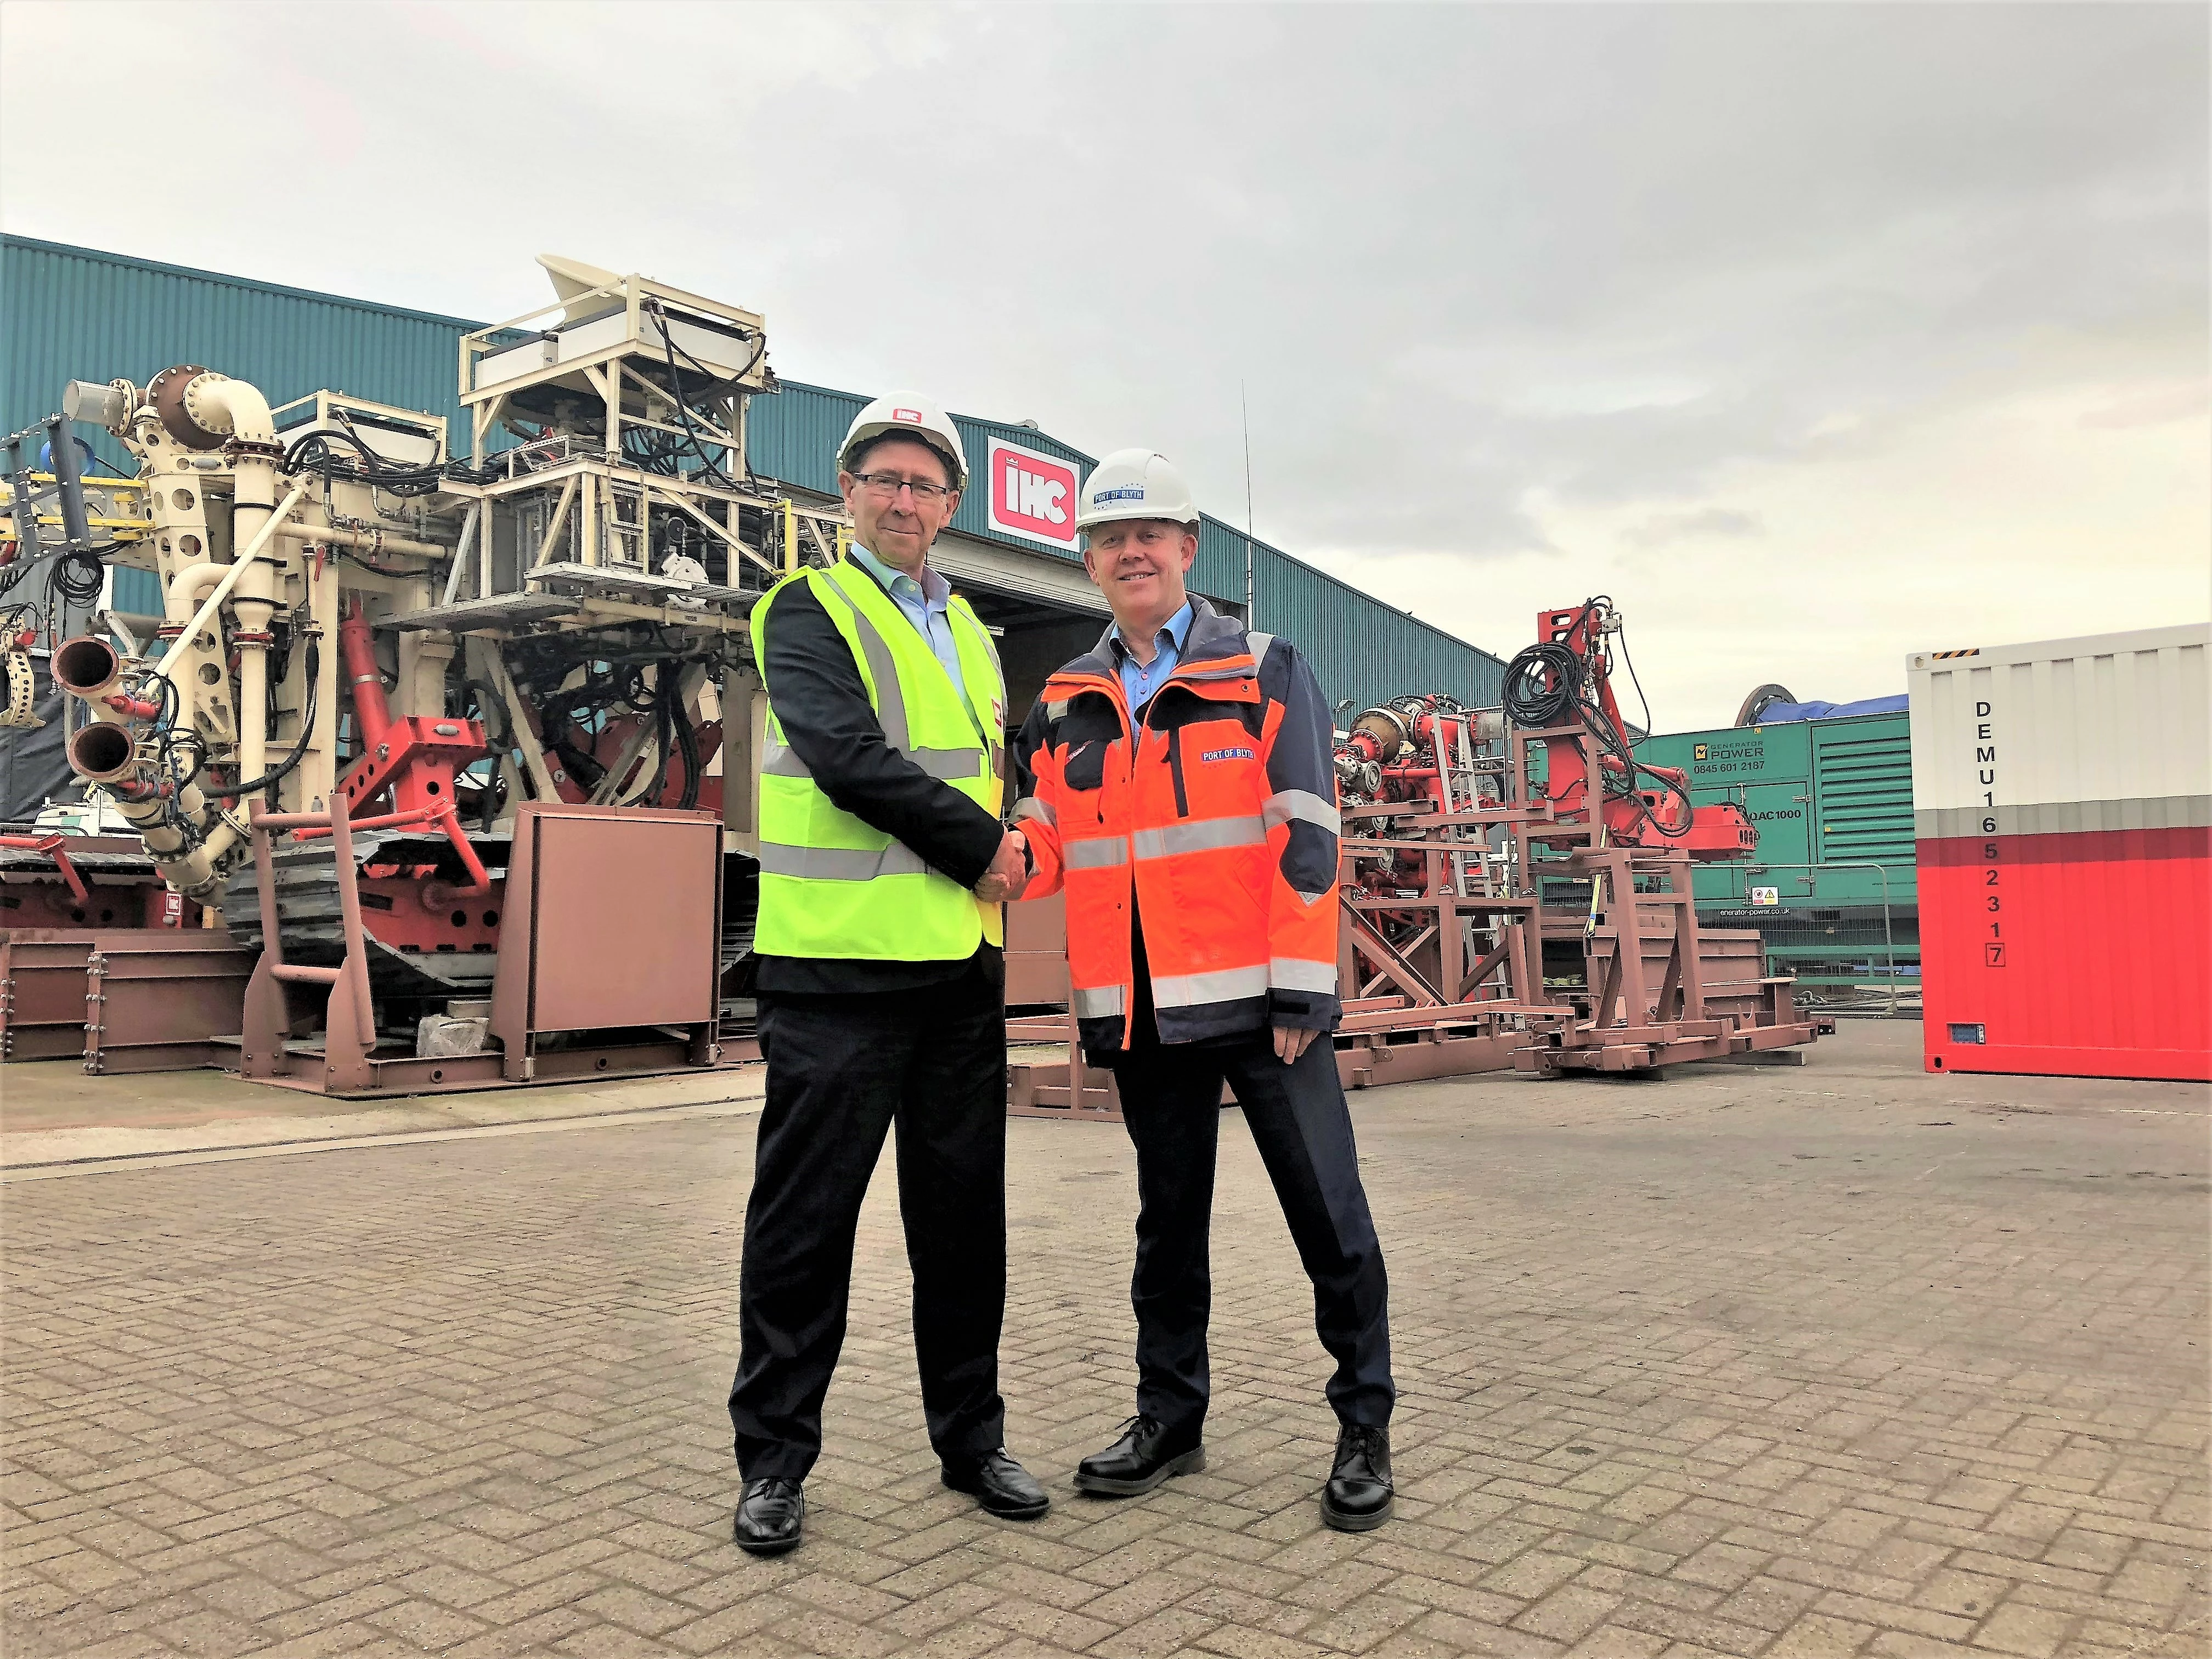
column 1832, row 888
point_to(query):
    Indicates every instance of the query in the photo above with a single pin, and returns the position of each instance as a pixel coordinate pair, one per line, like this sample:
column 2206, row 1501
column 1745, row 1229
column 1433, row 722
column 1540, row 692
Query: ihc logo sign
column 1031, row 494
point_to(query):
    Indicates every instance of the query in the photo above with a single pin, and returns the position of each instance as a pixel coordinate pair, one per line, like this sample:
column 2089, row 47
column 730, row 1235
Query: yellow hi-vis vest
column 832, row 885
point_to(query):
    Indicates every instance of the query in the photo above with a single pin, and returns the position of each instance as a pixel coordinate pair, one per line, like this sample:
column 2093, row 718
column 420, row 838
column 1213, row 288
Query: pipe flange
column 169, row 393
column 237, row 449
column 132, row 398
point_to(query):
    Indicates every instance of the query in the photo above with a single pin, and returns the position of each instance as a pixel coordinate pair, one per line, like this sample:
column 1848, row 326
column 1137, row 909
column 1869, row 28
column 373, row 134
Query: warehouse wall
column 79, row 313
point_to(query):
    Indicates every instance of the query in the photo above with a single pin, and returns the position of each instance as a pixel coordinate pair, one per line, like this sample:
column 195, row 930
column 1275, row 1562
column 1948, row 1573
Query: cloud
column 1705, row 524
column 2156, row 408
column 1504, row 287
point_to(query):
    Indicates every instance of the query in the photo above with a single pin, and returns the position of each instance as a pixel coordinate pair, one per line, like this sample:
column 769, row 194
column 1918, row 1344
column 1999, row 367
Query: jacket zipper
column 1175, row 771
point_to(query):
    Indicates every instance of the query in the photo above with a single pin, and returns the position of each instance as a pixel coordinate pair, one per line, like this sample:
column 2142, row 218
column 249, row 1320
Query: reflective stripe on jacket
column 832, row 886
column 1217, row 817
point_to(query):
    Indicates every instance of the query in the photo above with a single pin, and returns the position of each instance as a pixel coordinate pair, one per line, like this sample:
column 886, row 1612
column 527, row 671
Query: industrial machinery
column 371, row 645
column 1516, row 889
column 1517, row 885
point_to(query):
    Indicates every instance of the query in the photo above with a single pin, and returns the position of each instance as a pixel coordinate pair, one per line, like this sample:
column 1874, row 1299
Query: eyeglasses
column 890, row 484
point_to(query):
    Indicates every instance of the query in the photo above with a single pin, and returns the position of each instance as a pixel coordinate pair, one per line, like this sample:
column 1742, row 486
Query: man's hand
column 1009, row 873
column 1292, row 1041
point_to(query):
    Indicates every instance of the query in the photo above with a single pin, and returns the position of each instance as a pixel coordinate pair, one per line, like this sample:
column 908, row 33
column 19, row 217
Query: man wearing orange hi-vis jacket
column 1178, row 782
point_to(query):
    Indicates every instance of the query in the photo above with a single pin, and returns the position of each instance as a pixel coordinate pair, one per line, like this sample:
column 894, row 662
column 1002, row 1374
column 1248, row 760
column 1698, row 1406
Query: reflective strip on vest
column 1223, row 985
column 1293, row 974
column 1207, row 675
column 1096, row 854
column 883, row 668
column 1205, row 836
column 1029, row 806
column 841, row 863
column 779, row 760
column 1098, row 1005
column 1303, row 806
column 947, row 764
column 820, row 865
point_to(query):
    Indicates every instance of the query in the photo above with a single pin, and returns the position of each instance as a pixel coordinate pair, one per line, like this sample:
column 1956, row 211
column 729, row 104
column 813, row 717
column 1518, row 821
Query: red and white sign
column 1031, row 494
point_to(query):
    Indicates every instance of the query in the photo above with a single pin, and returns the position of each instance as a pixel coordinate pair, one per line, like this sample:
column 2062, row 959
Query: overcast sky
column 1813, row 335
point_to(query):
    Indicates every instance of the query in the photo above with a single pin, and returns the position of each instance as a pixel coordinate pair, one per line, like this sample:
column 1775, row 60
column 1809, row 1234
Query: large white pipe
column 239, row 566
column 369, row 541
column 238, row 408
column 184, row 595
column 220, row 403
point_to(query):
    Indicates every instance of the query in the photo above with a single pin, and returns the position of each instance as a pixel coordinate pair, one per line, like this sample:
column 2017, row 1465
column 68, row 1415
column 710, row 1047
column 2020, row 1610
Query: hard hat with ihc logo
column 1135, row 483
column 907, row 414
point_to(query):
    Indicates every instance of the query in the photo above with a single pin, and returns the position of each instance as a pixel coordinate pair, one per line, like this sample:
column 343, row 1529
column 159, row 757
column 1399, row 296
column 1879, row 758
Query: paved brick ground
column 1838, row 1360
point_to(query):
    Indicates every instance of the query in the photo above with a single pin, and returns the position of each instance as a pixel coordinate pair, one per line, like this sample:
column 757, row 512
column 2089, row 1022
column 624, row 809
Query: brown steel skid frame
column 1625, row 1019
column 346, row 1063
column 124, row 998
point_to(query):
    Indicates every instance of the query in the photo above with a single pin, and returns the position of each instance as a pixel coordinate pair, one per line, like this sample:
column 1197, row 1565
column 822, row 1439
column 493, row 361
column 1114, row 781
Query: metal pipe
column 373, row 541
column 444, row 815
column 461, row 553
column 87, row 666
column 238, row 407
column 372, row 710
column 253, row 696
column 239, row 566
column 52, row 846
column 184, row 595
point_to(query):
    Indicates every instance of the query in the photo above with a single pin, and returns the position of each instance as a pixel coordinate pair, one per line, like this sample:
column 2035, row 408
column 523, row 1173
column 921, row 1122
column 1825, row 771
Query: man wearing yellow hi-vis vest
column 884, row 865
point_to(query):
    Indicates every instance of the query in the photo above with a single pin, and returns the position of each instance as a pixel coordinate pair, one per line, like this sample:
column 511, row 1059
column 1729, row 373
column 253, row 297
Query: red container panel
column 2083, row 955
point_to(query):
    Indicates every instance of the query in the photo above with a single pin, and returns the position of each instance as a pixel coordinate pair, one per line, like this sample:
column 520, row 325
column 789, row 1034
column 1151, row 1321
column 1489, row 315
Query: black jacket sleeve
column 822, row 704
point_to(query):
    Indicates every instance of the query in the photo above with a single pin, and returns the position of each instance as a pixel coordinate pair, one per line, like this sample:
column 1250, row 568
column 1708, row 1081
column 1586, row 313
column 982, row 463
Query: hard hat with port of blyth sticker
column 1135, row 483
column 907, row 414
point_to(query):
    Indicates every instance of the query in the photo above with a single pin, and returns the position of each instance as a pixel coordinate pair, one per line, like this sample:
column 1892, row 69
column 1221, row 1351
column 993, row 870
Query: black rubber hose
column 1543, row 683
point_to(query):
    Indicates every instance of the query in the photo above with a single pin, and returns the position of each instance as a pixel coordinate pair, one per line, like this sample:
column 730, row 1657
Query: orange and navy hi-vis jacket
column 1220, row 808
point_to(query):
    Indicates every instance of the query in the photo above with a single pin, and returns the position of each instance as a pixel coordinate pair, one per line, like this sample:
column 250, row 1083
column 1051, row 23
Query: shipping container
column 2061, row 797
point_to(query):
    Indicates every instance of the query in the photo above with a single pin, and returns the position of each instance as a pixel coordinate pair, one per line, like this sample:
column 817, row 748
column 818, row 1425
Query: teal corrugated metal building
column 75, row 313
column 80, row 313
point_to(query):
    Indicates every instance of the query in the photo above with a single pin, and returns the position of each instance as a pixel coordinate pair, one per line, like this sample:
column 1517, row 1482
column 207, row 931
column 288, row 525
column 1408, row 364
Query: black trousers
column 841, row 1070
column 1170, row 1101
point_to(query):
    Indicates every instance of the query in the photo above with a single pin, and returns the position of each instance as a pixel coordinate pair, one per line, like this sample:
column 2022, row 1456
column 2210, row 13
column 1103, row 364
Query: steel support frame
column 347, row 1065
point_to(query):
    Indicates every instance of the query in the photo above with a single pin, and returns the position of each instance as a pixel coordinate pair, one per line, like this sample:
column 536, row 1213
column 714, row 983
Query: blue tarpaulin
column 1782, row 713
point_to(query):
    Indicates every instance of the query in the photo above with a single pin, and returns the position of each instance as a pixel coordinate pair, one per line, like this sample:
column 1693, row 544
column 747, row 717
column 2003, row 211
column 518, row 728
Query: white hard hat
column 911, row 415
column 1135, row 483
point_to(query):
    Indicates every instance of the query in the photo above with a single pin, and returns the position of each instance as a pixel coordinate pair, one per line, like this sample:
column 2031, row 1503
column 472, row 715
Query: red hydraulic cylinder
column 370, row 705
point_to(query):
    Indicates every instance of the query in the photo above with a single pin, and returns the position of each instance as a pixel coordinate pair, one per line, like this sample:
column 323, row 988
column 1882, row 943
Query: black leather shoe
column 770, row 1516
column 1145, row 1455
column 1001, row 1486
column 1359, row 1494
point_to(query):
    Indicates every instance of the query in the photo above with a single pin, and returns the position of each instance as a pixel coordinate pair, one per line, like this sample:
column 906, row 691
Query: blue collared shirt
column 1140, row 680
column 923, row 604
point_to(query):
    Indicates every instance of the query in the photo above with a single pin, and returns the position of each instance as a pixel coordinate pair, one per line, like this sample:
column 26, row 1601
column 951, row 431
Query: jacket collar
column 1211, row 635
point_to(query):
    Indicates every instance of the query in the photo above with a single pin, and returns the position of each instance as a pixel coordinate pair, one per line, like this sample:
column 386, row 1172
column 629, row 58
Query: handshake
column 1009, row 873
